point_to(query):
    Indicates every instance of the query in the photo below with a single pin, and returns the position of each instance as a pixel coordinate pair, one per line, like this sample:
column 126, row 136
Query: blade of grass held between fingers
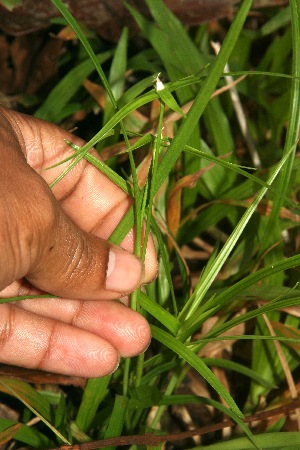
column 189, row 123
column 118, row 117
column 161, row 314
column 182, row 137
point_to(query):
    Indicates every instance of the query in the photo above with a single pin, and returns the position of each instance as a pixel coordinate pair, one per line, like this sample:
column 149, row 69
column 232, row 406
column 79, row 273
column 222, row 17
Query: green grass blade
column 66, row 88
column 292, row 134
column 24, row 297
column 9, row 429
column 119, row 66
column 165, row 260
column 274, row 305
column 161, row 314
column 30, row 395
column 118, row 117
column 80, row 35
column 117, row 418
column 194, row 361
column 213, row 269
column 94, row 393
column 239, row 368
column 241, row 171
column 117, row 74
column 203, row 97
column 266, row 441
column 11, row 4
column 8, row 386
column 252, row 279
column 188, row 399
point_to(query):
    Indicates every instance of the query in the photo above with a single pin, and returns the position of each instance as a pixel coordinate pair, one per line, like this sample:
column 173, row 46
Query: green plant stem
column 126, row 376
column 292, row 134
column 80, row 35
column 168, row 391
column 139, row 369
column 154, row 166
column 151, row 181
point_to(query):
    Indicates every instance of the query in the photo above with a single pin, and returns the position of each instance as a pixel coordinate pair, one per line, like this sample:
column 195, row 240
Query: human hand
column 55, row 242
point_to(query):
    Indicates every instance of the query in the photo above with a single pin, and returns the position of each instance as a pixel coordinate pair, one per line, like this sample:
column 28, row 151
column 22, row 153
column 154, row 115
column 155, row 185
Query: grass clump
column 216, row 132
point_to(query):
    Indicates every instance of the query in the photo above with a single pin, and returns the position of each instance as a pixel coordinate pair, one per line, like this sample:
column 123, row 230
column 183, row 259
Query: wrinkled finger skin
column 56, row 242
column 87, row 341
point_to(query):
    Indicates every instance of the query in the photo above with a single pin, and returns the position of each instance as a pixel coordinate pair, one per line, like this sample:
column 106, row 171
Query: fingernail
column 124, row 271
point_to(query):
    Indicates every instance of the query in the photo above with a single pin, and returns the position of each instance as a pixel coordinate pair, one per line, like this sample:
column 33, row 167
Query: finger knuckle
column 6, row 325
column 50, row 344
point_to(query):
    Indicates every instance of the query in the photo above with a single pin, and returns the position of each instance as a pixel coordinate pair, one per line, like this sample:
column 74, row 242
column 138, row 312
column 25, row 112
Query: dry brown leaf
column 105, row 17
column 288, row 332
column 40, row 377
column 96, row 91
column 212, row 349
column 8, row 433
column 27, row 63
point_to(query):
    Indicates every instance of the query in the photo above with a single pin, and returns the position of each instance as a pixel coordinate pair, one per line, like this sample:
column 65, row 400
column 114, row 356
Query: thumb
column 39, row 242
column 74, row 264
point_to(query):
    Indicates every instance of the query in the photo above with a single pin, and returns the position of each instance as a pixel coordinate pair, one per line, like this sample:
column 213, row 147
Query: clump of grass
column 227, row 235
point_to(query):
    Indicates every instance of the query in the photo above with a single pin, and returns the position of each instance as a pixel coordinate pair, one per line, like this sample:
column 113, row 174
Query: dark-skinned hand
column 55, row 241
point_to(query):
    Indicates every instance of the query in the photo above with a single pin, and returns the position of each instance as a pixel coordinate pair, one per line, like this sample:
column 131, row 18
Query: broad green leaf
column 94, row 392
column 145, row 396
column 117, row 418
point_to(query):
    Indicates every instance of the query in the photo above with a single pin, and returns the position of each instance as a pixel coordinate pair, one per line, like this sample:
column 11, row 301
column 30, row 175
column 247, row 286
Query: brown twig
column 151, row 439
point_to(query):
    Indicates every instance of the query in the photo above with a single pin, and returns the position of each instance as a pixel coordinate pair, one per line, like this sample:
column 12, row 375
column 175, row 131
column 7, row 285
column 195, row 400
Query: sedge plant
column 221, row 219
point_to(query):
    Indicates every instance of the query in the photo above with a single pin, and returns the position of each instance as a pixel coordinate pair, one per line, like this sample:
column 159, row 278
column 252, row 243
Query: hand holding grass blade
column 56, row 242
